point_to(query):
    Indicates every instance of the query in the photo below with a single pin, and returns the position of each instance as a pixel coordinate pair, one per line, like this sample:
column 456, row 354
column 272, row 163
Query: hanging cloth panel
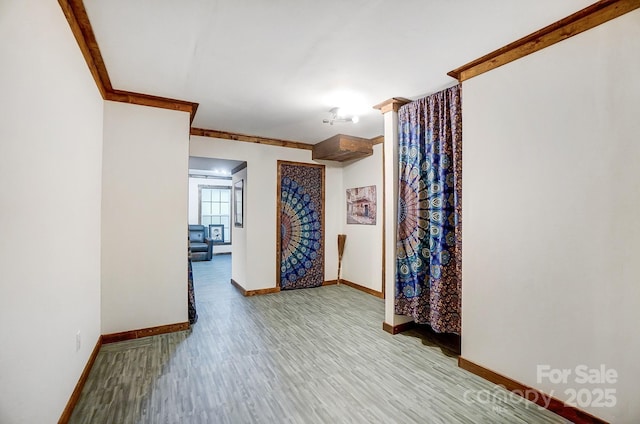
column 301, row 209
column 429, row 249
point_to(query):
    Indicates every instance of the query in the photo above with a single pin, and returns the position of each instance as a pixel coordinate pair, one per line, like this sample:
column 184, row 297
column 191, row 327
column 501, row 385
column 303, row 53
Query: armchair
column 200, row 244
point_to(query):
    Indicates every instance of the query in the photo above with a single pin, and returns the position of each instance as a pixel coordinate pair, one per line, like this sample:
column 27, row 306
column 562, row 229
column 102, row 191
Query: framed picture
column 361, row 205
column 238, row 209
column 216, row 233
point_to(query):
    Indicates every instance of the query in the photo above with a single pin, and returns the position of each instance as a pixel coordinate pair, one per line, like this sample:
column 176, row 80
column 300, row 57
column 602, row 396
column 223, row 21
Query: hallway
column 300, row 356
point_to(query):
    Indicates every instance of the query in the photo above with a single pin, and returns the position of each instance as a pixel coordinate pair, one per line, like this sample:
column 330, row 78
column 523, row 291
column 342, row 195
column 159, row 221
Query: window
column 215, row 208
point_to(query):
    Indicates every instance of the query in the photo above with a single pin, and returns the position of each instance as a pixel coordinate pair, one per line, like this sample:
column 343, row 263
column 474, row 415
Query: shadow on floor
column 448, row 343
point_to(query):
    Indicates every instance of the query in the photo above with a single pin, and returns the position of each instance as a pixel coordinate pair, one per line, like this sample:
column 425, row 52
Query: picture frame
column 238, row 204
column 362, row 205
column 216, row 233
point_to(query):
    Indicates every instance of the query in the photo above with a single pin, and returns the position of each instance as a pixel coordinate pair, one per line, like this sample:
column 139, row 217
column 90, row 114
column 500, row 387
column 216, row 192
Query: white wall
column 194, row 205
column 551, row 206
column 362, row 259
column 50, row 165
column 260, row 206
column 144, row 225
column 239, row 234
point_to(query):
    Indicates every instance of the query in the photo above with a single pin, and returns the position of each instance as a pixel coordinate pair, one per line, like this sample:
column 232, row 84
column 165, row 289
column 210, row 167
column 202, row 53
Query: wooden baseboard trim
column 263, row 291
column 112, row 338
column 554, row 405
column 246, row 292
column 239, row 287
column 75, row 395
column 367, row 290
column 395, row 329
column 144, row 332
column 362, row 288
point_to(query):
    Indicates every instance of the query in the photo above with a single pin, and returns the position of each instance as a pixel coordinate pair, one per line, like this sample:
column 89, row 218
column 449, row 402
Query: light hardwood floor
column 302, row 356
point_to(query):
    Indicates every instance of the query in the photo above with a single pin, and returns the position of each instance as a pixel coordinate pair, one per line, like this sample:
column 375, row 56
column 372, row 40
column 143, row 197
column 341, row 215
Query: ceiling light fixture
column 338, row 116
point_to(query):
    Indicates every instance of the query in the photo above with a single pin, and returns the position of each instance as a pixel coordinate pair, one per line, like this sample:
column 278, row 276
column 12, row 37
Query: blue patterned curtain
column 429, row 250
column 301, row 225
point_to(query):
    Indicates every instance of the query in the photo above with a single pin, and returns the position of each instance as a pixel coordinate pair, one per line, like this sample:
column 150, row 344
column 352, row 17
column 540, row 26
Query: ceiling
column 275, row 68
column 209, row 166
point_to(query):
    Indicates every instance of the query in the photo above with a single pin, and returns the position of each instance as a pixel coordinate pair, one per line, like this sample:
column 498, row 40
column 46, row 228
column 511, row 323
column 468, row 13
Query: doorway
column 211, row 223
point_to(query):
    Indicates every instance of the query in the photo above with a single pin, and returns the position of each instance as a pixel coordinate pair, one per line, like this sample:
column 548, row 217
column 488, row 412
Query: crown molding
column 392, row 104
column 153, row 101
column 583, row 20
column 80, row 25
column 202, row 132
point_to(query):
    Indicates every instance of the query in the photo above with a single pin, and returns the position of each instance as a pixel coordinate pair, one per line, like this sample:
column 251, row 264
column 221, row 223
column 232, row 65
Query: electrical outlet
column 78, row 341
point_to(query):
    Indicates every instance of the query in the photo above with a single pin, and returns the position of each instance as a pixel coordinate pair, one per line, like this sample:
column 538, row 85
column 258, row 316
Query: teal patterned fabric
column 429, row 249
column 301, row 226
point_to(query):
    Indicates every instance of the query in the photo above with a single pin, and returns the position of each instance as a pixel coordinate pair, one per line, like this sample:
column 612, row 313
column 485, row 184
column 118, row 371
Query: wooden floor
column 302, row 356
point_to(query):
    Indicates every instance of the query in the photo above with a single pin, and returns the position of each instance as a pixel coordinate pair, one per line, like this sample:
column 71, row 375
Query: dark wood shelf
column 342, row 148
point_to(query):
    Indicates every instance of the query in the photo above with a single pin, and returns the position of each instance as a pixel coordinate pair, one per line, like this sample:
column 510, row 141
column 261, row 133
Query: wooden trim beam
column 395, row 329
column 392, row 104
column 583, row 20
column 153, row 101
column 75, row 396
column 250, row 138
column 377, row 140
column 342, row 148
column 355, row 286
column 554, row 405
column 144, row 332
column 367, row 290
column 258, row 292
column 80, row 25
column 237, row 285
column 247, row 293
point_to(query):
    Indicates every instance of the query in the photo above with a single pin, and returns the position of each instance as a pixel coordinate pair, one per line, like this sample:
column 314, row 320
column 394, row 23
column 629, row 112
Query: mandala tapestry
column 429, row 250
column 301, row 225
